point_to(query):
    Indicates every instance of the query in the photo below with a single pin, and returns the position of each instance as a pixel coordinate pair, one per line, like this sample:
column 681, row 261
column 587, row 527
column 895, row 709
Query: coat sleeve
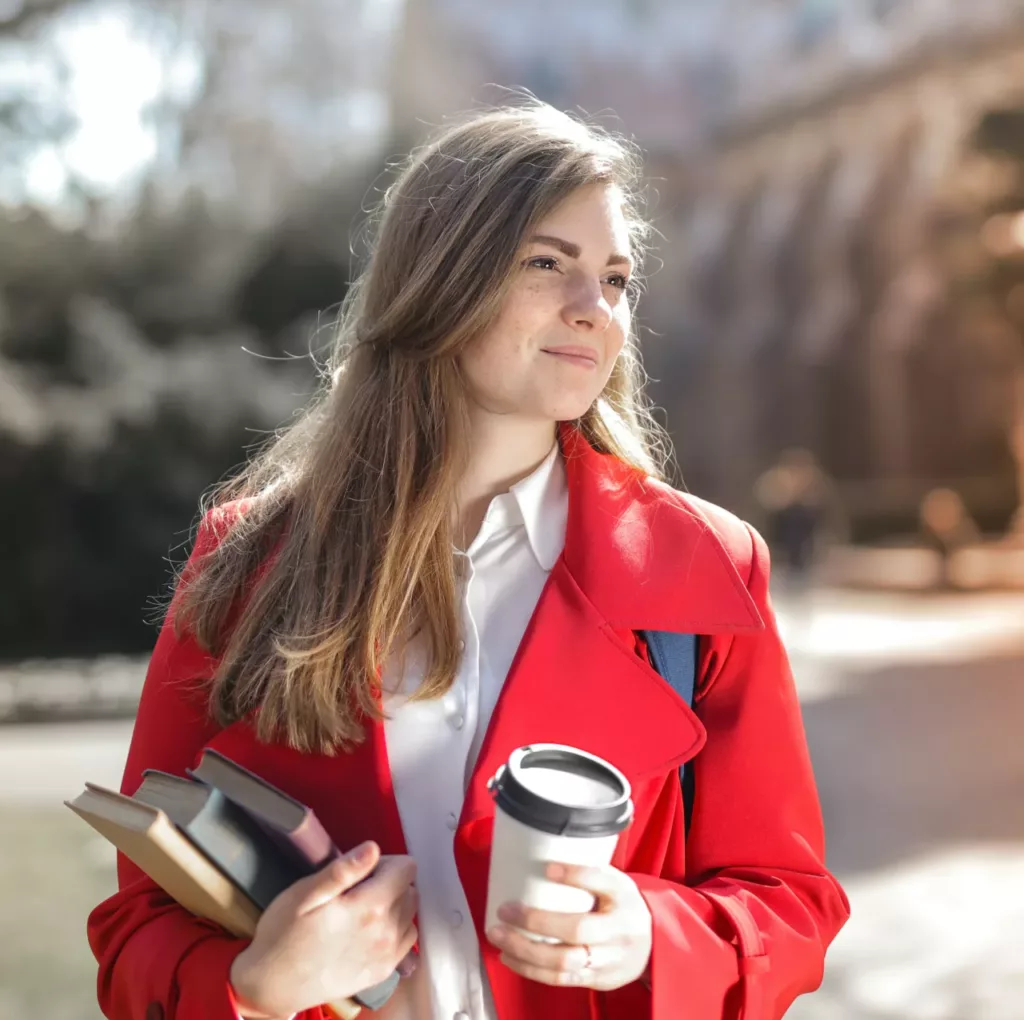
column 746, row 932
column 156, row 960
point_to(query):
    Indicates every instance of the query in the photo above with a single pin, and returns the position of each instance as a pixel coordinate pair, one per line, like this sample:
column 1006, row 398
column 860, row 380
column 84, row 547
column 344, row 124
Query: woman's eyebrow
column 572, row 251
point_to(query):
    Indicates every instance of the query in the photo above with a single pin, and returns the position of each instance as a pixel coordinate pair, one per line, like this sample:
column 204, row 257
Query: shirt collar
column 539, row 502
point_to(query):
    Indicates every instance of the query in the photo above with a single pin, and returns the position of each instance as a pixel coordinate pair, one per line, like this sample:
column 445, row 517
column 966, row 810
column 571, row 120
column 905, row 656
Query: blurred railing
column 106, row 687
column 885, row 500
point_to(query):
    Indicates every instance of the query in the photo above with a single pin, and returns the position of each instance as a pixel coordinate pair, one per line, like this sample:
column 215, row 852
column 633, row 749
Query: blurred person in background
column 801, row 504
column 946, row 526
column 450, row 555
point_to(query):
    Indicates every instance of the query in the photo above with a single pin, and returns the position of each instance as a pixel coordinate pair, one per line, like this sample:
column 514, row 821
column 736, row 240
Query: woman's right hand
column 322, row 940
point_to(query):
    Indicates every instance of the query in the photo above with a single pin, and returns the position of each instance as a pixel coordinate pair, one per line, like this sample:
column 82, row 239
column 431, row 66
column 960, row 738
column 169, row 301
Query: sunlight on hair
column 626, row 438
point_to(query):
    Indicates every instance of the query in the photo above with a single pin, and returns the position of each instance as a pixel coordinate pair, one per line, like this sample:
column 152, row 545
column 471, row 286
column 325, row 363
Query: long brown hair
column 354, row 499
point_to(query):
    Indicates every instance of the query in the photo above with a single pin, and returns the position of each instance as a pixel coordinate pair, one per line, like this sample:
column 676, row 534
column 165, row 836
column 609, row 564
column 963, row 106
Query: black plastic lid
column 518, row 801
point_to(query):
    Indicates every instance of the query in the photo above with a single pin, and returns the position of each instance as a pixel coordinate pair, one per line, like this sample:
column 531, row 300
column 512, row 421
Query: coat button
column 458, row 721
column 457, row 918
column 452, row 821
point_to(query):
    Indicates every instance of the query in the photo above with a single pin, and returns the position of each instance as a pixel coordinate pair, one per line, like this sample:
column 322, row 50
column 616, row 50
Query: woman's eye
column 548, row 262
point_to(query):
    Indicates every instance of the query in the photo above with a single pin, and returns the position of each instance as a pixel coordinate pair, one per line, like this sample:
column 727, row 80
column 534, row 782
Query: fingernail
column 361, row 852
column 496, row 934
column 407, row 967
column 506, row 912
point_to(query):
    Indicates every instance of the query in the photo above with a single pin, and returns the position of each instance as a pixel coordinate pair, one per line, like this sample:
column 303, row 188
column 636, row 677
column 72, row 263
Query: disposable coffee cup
column 552, row 803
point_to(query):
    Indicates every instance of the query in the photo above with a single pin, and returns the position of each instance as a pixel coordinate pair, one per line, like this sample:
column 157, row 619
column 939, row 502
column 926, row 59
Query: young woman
column 450, row 556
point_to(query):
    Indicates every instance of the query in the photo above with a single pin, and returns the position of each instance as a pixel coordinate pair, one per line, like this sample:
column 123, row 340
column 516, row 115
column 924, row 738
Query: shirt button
column 457, row 919
column 452, row 821
column 458, row 721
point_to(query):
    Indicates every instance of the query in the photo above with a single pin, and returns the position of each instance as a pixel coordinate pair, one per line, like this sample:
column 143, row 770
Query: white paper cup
column 552, row 803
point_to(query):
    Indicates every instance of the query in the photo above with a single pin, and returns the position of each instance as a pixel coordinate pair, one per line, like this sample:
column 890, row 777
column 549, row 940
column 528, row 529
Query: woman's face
column 565, row 317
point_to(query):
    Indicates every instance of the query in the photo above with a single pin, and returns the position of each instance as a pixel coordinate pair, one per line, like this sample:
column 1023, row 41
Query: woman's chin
column 548, row 406
column 568, row 407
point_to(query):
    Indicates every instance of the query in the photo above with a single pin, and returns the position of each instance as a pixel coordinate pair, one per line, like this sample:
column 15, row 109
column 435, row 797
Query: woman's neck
column 503, row 450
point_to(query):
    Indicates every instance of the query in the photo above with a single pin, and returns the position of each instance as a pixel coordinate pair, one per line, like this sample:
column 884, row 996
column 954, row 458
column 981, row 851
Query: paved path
column 44, row 764
column 913, row 708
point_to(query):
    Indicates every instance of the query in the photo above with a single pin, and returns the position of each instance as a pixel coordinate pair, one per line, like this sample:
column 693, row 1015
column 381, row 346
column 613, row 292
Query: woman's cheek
column 614, row 348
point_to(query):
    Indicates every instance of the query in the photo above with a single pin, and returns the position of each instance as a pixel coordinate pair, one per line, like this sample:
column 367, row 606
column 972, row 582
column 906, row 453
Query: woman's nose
column 586, row 308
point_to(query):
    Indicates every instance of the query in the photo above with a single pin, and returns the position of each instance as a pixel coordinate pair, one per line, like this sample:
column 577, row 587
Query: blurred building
column 641, row 59
column 823, row 202
column 289, row 98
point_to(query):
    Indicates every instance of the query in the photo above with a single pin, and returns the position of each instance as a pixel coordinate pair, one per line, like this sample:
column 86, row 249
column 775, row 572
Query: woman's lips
column 585, row 357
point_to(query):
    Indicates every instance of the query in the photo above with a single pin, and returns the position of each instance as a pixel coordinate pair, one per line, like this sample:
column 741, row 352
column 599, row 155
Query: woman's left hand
column 617, row 932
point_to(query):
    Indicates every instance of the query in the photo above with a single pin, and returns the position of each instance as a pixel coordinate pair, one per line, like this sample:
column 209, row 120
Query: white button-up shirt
column 433, row 745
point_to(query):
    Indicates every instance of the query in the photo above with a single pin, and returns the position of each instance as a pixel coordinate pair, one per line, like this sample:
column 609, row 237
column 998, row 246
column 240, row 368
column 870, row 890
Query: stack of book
column 222, row 842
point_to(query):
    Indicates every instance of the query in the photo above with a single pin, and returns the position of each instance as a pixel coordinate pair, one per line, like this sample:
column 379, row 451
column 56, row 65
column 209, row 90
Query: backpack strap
column 674, row 656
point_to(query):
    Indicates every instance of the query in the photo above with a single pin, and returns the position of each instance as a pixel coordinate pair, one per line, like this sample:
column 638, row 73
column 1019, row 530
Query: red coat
column 743, row 908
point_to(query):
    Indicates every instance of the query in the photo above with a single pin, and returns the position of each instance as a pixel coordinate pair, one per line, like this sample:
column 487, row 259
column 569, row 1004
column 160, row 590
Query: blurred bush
column 133, row 372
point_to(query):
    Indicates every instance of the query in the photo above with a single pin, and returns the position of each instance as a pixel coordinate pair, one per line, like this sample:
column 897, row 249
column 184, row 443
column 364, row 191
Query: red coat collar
column 643, row 555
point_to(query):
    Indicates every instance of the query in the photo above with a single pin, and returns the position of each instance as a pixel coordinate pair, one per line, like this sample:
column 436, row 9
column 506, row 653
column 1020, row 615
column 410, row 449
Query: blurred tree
column 290, row 97
column 303, row 266
column 41, row 268
column 814, row 21
column 33, row 110
column 29, row 14
column 290, row 280
column 126, row 388
column 172, row 266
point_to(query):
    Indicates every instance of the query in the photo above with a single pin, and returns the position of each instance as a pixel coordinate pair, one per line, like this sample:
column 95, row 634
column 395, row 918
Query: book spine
column 241, row 850
column 308, row 848
column 313, row 842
